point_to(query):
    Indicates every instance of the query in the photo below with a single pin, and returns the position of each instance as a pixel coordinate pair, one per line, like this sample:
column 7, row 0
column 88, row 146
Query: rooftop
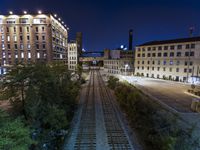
column 181, row 40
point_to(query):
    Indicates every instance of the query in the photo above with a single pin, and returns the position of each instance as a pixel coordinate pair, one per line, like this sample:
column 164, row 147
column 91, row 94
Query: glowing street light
column 62, row 22
column 59, row 19
column 39, row 12
column 25, row 12
column 55, row 15
column 10, row 12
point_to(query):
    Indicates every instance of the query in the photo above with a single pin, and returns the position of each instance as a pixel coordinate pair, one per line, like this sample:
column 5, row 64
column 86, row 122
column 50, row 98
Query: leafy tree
column 13, row 133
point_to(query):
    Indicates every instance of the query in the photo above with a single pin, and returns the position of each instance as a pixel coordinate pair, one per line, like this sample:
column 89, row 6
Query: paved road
column 171, row 93
column 97, row 124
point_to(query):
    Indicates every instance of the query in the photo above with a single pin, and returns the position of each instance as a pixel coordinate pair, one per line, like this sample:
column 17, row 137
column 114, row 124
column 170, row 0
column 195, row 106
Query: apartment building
column 73, row 54
column 119, row 62
column 177, row 59
column 31, row 38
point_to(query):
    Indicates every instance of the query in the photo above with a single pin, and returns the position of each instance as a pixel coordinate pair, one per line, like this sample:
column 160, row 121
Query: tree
column 13, row 133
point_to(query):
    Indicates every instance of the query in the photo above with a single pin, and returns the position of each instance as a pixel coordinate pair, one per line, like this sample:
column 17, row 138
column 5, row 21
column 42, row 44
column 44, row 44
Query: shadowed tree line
column 156, row 128
column 45, row 95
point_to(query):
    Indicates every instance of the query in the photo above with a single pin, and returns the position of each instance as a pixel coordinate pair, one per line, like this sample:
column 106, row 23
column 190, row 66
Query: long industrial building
column 177, row 59
column 31, row 38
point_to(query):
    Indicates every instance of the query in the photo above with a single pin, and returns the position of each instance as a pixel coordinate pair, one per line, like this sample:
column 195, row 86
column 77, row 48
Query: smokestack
column 130, row 39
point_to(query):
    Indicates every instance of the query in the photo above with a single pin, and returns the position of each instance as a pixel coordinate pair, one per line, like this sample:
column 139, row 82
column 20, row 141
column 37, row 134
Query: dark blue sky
column 105, row 23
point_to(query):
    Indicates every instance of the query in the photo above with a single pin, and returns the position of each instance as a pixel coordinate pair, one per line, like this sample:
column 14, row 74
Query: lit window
column 23, row 20
column 28, row 46
column 22, row 54
column 15, row 38
column 38, row 55
column 29, row 54
column 8, row 38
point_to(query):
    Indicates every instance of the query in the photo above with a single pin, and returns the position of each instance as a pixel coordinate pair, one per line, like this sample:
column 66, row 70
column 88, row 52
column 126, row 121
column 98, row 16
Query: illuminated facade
column 31, row 38
column 177, row 59
column 72, row 55
column 118, row 62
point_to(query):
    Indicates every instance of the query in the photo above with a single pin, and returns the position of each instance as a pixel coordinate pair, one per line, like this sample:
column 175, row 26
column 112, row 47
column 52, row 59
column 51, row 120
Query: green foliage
column 112, row 82
column 13, row 133
column 46, row 95
column 157, row 129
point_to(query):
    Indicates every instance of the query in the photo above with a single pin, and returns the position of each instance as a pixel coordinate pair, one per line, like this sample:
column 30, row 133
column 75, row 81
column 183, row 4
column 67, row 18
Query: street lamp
column 39, row 12
column 126, row 67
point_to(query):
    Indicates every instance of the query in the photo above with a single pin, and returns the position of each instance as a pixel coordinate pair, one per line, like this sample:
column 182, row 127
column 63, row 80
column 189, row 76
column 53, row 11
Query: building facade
column 73, row 56
column 177, row 59
column 119, row 62
column 31, row 38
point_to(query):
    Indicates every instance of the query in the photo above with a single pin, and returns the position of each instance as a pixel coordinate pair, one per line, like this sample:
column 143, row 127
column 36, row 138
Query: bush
column 155, row 127
column 112, row 82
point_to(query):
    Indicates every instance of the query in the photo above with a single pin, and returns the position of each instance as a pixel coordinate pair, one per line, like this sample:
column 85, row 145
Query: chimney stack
column 130, row 39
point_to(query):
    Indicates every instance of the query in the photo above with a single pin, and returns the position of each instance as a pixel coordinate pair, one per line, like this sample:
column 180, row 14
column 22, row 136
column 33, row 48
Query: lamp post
column 126, row 67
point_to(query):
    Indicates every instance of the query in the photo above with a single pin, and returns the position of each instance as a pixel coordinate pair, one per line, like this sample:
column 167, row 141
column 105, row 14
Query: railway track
column 99, row 126
column 117, row 138
column 86, row 138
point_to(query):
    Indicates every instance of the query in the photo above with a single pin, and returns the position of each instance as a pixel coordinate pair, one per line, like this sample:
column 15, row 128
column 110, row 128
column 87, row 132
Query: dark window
column 154, row 48
column 191, row 53
column 191, row 63
column 153, row 62
column 27, row 29
column 14, row 29
column 36, row 29
column 165, row 55
column 148, row 62
column 185, row 70
column 8, row 46
column 7, row 29
column 37, row 46
column 43, row 37
column 20, row 29
column 37, row 37
column 187, row 46
column 149, row 54
column 186, row 63
column 186, row 53
column 172, row 47
column 160, row 48
column 43, row 29
column 15, row 46
column 193, row 46
column 149, row 48
column 165, row 47
column 43, row 46
column 21, row 37
column 138, row 55
column 172, row 54
column 159, row 54
column 153, row 54
column 178, row 54
column 143, row 55
column 179, row 47
column 28, row 37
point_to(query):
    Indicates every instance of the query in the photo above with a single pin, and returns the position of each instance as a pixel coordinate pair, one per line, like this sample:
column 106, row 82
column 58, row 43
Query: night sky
column 105, row 23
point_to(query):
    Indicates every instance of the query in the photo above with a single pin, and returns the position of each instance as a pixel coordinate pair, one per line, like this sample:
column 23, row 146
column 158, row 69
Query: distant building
column 73, row 55
column 177, row 59
column 79, row 40
column 119, row 62
column 31, row 38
